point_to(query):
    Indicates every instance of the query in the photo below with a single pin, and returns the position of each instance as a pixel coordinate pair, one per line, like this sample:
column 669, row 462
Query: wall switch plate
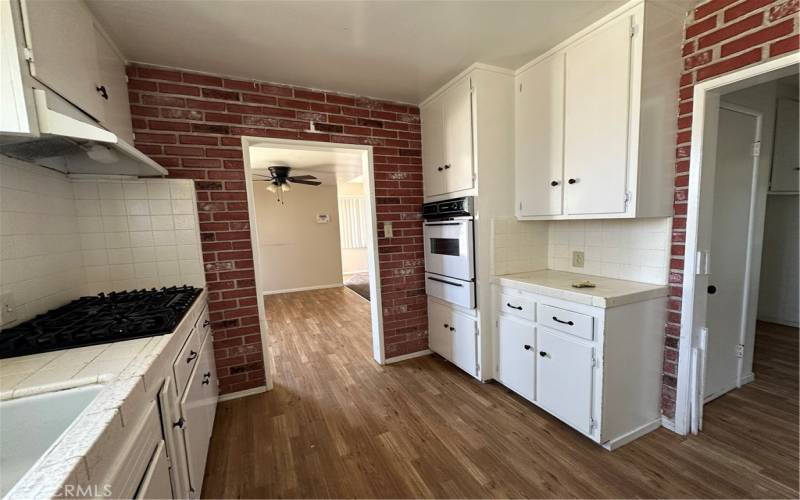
column 387, row 230
column 8, row 312
column 577, row 258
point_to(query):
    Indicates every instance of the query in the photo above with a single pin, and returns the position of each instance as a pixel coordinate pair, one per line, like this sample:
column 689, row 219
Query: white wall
column 354, row 260
column 40, row 255
column 296, row 251
column 778, row 292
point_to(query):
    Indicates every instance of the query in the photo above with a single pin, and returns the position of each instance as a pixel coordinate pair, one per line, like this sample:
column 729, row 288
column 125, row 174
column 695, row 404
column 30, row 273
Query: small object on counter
column 583, row 284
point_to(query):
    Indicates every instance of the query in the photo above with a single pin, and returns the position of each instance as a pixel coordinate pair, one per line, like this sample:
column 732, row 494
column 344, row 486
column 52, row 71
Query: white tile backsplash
column 61, row 238
column 518, row 246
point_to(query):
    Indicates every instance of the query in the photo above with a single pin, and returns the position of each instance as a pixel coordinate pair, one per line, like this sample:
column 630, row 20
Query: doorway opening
column 301, row 221
column 740, row 290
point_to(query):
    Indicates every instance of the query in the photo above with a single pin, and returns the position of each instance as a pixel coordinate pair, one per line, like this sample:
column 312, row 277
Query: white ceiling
column 329, row 165
column 399, row 50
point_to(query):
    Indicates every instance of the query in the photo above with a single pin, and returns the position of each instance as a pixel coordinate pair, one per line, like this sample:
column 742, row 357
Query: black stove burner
column 100, row 320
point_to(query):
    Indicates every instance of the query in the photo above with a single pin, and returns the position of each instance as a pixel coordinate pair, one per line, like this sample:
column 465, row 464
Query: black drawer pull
column 518, row 308
column 444, row 281
column 192, row 356
column 572, row 181
column 206, row 323
column 570, row 323
column 527, row 347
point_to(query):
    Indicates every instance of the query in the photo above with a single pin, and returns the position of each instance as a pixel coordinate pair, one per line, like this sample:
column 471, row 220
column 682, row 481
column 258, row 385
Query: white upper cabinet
column 539, row 136
column 61, row 36
column 447, row 140
column 595, row 119
column 113, row 89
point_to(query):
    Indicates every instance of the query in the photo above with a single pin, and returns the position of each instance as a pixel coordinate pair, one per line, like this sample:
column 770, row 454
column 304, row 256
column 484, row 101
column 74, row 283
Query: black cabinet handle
column 712, row 289
column 543, row 354
column 554, row 183
column 206, row 323
column 102, row 91
column 518, row 308
column 570, row 323
column 527, row 347
column 446, row 167
column 440, row 169
column 179, row 423
column 452, row 328
column 572, row 181
column 192, row 356
column 446, row 325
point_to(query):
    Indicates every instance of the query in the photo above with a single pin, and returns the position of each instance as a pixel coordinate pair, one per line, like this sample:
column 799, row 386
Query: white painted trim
column 301, row 289
column 404, row 357
column 452, row 81
column 636, row 433
column 376, row 309
column 362, row 271
column 703, row 91
column 242, row 394
column 667, row 423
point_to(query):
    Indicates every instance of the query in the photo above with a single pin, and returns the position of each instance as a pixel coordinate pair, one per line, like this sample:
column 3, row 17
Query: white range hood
column 76, row 146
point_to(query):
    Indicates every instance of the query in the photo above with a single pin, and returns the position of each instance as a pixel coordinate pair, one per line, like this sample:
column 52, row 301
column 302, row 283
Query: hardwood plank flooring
column 338, row 425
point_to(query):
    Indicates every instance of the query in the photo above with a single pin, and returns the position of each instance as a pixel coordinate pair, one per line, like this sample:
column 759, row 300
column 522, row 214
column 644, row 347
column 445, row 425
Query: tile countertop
column 609, row 292
column 131, row 373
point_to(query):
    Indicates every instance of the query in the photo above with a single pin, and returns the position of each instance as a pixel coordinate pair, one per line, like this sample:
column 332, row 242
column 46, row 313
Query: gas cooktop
column 100, row 319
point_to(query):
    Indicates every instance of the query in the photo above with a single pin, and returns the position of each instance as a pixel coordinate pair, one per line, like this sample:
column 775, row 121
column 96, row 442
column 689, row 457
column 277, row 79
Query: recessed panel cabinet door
column 539, row 117
column 62, row 39
column 596, row 120
column 516, row 356
column 432, row 116
column 439, row 335
column 457, row 103
column 156, row 483
column 111, row 70
column 464, row 342
column 197, row 430
column 564, row 375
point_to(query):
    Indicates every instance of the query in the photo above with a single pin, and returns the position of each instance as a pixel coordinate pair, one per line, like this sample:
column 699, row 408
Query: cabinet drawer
column 182, row 367
column 517, row 305
column 580, row 325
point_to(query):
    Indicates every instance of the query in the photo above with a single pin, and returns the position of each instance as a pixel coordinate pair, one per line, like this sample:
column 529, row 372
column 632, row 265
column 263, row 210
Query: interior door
column 516, row 356
column 786, row 157
column 464, row 342
column 726, row 310
column 564, row 378
column 439, row 336
column 539, row 116
column 596, row 120
column 432, row 117
column 457, row 103
column 62, row 37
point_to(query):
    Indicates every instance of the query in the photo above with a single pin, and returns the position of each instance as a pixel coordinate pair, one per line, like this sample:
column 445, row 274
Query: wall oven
column 450, row 250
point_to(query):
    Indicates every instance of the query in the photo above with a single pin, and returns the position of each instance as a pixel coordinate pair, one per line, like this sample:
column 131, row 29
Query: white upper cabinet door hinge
column 757, row 149
column 739, row 350
column 628, row 196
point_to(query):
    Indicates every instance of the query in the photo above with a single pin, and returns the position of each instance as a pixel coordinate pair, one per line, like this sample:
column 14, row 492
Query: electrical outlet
column 577, row 258
column 8, row 312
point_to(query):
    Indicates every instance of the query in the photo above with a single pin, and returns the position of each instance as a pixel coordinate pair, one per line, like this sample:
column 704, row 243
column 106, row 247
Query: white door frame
column 696, row 266
column 372, row 240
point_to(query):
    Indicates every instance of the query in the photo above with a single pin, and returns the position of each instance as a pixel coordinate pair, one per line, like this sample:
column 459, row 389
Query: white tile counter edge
column 77, row 457
column 609, row 292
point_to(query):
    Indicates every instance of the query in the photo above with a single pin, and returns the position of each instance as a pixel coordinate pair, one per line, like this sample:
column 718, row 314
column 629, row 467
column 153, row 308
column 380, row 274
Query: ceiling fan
column 279, row 181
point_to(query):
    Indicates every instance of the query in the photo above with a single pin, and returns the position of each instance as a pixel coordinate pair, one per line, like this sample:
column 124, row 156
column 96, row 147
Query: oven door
column 449, row 248
column 455, row 291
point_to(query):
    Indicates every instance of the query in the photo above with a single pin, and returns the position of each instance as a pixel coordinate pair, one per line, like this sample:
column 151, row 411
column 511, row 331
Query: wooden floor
column 338, row 425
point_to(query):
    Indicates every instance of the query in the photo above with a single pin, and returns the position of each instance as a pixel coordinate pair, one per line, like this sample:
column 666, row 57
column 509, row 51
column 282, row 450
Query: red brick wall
column 192, row 125
column 721, row 36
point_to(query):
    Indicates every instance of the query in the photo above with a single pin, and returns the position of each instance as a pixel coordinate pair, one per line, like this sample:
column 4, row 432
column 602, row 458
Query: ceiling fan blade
column 295, row 177
column 310, row 183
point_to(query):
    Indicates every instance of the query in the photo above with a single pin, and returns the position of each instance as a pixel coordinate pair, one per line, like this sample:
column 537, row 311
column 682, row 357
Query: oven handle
column 444, row 281
column 443, row 223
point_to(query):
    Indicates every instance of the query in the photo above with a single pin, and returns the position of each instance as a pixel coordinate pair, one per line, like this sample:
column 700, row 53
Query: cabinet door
column 209, row 383
column 432, row 116
column 439, row 336
column 539, row 117
column 173, row 438
column 61, row 36
column 156, row 483
column 785, row 157
column 464, row 342
column 596, row 120
column 564, row 377
column 111, row 70
column 457, row 103
column 197, row 432
column 516, row 355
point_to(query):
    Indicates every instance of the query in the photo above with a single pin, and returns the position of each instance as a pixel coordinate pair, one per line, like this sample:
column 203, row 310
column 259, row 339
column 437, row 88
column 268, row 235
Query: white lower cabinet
column 453, row 335
column 564, row 378
column 598, row 369
column 516, row 355
column 156, row 483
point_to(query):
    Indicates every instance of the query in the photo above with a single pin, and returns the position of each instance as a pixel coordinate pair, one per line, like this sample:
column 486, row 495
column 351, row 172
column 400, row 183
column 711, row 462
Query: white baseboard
column 404, row 357
column 356, row 272
column 667, row 423
column 748, row 378
column 624, row 439
column 242, row 394
column 301, row 289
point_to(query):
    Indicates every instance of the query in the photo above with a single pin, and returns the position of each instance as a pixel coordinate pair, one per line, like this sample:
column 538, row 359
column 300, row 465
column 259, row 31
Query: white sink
column 30, row 425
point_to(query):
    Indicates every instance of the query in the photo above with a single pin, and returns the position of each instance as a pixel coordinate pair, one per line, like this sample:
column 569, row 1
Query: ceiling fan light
column 272, row 187
column 286, row 188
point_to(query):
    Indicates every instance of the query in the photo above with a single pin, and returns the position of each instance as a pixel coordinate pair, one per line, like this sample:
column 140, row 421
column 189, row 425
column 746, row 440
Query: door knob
column 554, row 183
column 712, row 289
column 572, row 181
